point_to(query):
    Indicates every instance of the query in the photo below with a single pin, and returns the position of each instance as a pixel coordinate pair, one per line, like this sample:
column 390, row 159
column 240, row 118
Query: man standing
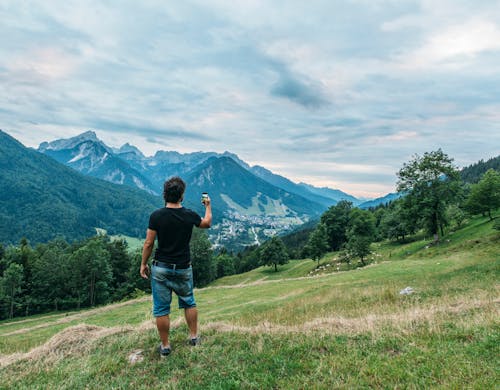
column 171, row 268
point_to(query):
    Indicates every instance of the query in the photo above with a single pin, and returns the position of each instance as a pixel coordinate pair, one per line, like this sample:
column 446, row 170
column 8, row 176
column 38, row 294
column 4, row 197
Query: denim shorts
column 166, row 280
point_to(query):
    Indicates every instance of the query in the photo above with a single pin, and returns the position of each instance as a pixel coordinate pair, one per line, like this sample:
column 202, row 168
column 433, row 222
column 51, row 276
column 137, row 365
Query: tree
column 456, row 214
column 318, row 242
column 50, row 272
column 397, row 223
column 336, row 219
column 225, row 265
column 11, row 283
column 274, row 252
column 202, row 258
column 360, row 233
column 133, row 282
column 485, row 195
column 91, row 272
column 430, row 183
column 119, row 261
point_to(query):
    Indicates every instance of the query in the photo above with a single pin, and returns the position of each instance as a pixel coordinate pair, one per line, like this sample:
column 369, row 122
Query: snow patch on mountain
column 116, row 176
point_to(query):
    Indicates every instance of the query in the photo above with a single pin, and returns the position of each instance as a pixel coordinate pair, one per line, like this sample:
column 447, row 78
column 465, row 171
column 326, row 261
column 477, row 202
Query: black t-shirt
column 173, row 228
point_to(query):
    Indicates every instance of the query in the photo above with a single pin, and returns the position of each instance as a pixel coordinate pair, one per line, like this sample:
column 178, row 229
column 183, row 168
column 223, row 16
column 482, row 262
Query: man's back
column 174, row 227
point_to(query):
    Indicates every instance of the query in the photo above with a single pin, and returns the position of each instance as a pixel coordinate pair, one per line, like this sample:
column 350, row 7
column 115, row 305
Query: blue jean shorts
column 166, row 280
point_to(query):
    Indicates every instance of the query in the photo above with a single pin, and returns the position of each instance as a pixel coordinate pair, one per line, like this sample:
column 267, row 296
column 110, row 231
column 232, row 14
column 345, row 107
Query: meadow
column 297, row 328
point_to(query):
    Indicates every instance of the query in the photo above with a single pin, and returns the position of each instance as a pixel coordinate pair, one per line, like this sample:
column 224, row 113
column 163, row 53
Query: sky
column 331, row 93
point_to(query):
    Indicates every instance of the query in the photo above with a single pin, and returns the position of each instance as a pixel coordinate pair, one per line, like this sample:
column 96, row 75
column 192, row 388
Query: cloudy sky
column 333, row 93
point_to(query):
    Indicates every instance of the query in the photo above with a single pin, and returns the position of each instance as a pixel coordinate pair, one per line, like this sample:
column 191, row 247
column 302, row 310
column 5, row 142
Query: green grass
column 267, row 329
column 133, row 243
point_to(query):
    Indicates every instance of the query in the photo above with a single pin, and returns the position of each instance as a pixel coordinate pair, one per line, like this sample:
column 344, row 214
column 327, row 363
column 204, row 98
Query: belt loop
column 174, row 266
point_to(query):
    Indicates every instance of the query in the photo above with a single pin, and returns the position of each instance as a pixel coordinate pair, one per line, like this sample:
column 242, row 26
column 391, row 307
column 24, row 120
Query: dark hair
column 173, row 189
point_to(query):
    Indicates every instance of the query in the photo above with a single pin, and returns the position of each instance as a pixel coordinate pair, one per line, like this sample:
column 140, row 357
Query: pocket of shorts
column 184, row 275
column 159, row 273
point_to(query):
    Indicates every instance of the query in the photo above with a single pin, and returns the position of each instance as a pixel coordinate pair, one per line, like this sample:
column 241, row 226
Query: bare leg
column 163, row 325
column 191, row 315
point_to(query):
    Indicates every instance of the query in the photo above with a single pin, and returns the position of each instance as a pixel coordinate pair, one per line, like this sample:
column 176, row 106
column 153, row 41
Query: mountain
column 255, row 209
column 235, row 187
column 335, row 195
column 88, row 155
column 290, row 186
column 378, row 201
column 40, row 199
column 128, row 151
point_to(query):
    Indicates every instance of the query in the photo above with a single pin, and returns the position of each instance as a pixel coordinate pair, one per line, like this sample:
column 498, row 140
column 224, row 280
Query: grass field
column 266, row 329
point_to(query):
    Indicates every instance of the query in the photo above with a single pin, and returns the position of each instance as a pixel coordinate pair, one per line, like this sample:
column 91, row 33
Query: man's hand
column 206, row 221
column 144, row 271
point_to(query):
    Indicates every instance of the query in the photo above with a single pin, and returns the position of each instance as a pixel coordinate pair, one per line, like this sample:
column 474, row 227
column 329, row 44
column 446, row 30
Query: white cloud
column 352, row 88
column 455, row 46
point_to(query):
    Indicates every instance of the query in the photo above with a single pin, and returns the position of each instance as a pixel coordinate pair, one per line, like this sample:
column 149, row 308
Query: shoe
column 195, row 341
column 164, row 351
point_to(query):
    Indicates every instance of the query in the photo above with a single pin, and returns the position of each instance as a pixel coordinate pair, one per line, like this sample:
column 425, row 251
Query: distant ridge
column 382, row 200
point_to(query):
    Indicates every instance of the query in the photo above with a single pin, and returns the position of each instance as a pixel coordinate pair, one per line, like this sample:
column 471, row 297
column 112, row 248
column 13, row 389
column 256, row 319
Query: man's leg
column 163, row 325
column 191, row 315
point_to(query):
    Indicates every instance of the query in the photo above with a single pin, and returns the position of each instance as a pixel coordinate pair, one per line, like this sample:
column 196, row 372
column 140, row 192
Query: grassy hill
column 263, row 329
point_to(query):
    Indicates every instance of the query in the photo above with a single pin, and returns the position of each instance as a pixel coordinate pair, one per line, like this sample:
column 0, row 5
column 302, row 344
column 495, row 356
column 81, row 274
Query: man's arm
column 206, row 221
column 146, row 252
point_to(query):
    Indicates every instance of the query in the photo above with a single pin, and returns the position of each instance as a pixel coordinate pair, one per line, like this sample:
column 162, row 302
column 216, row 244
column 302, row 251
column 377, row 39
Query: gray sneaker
column 195, row 341
column 164, row 351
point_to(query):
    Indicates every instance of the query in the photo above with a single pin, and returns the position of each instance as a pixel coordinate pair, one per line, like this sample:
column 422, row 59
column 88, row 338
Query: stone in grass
column 407, row 291
column 136, row 357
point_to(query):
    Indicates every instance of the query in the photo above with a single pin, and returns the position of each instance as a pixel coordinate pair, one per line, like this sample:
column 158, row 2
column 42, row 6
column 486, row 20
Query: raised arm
column 206, row 221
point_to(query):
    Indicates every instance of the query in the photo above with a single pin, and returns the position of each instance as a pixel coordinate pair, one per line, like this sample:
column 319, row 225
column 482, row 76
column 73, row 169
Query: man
column 171, row 268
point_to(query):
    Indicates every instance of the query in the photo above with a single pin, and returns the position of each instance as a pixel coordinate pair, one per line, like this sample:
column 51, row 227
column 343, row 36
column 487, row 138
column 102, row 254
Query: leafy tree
column 50, row 272
column 336, row 219
column 248, row 259
column 225, row 265
column 360, row 233
column 118, row 257
column 430, row 183
column 91, row 272
column 202, row 258
column 318, row 242
column 11, row 283
column 274, row 252
column 133, row 282
column 456, row 214
column 397, row 222
column 485, row 195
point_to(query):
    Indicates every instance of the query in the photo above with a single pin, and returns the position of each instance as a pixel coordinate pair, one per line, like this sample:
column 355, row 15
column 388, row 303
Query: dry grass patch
column 72, row 340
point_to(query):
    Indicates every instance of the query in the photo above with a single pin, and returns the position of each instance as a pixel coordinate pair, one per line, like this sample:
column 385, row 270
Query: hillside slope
column 340, row 329
column 41, row 199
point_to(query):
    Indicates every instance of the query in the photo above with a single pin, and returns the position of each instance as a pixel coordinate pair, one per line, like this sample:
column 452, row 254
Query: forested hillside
column 41, row 199
column 472, row 174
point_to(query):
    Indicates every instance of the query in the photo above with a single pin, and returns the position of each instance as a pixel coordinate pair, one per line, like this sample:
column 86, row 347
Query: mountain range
column 250, row 203
column 128, row 165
